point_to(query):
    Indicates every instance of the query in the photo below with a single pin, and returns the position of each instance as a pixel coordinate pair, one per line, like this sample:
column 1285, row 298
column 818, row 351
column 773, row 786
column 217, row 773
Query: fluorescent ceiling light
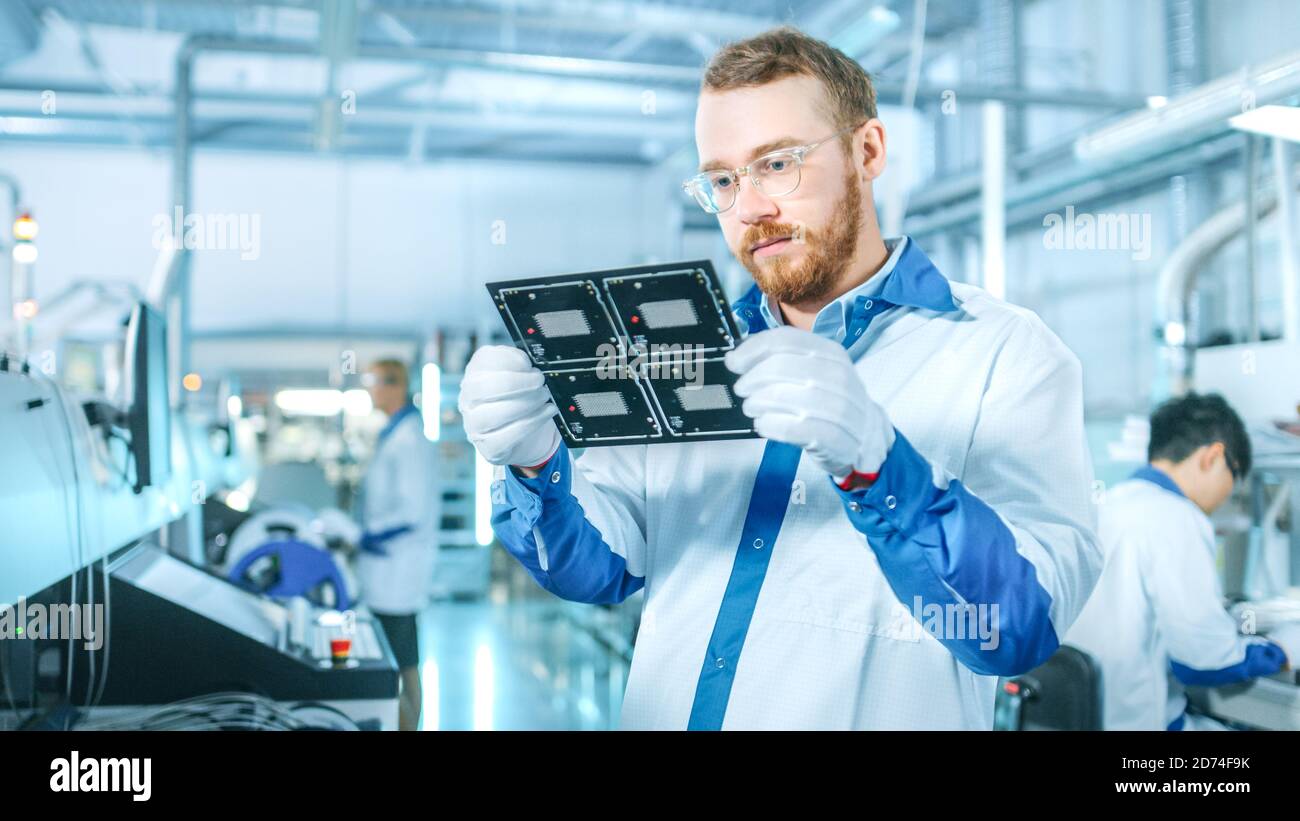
column 310, row 402
column 1270, row 120
column 431, row 388
column 323, row 402
column 356, row 402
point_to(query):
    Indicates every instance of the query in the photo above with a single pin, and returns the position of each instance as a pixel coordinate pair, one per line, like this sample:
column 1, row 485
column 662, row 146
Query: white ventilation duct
column 1177, row 281
column 1192, row 116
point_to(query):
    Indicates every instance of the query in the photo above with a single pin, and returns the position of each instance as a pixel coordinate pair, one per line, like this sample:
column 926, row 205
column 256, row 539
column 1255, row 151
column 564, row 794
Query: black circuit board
column 630, row 355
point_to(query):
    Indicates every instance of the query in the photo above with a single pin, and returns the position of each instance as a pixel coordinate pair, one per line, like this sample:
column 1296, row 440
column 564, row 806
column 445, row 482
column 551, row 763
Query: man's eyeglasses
column 775, row 173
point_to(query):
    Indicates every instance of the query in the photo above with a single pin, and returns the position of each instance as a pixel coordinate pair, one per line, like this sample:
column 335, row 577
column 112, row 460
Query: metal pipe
column 1191, row 116
column 594, row 16
column 1174, row 287
column 1252, row 221
column 1028, row 201
column 15, row 191
column 1177, row 282
column 964, row 184
column 1283, row 177
column 993, row 201
column 1199, row 112
column 9, row 289
column 609, row 70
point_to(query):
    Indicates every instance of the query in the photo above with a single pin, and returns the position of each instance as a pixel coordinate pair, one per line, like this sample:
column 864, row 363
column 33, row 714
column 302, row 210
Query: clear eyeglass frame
column 763, row 173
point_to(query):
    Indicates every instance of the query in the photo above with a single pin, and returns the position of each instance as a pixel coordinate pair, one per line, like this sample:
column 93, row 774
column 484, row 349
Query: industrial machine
column 177, row 631
column 90, row 495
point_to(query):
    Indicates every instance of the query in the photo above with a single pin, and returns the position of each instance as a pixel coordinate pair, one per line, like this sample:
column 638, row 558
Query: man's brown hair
column 784, row 52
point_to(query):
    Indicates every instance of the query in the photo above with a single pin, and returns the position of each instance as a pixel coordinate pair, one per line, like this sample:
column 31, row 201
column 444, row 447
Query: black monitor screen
column 150, row 423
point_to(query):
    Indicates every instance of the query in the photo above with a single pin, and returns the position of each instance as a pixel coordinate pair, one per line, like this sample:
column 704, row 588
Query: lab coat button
column 555, row 477
column 855, row 507
column 721, row 664
column 891, row 502
column 868, row 304
column 758, row 543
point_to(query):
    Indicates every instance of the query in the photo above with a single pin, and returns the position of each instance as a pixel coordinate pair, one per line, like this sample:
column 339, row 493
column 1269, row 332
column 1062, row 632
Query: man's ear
column 870, row 137
column 1210, row 454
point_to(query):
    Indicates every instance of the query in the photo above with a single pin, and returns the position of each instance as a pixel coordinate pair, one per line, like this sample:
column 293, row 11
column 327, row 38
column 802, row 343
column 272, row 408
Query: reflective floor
column 520, row 659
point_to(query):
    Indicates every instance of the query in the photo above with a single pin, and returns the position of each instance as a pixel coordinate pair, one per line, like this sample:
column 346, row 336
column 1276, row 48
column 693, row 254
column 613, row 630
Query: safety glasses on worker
column 775, row 173
column 1234, row 467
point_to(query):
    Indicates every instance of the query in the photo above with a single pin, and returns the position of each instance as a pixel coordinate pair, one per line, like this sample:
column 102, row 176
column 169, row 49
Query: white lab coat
column 1158, row 600
column 985, row 392
column 401, row 487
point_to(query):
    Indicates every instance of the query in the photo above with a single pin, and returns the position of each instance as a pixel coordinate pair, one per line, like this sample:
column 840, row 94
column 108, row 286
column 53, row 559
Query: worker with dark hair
column 1156, row 620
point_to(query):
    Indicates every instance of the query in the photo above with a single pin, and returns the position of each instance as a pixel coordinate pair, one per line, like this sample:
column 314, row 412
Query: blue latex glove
column 373, row 543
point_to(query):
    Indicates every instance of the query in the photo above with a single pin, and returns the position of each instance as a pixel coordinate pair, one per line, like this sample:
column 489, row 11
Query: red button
column 340, row 648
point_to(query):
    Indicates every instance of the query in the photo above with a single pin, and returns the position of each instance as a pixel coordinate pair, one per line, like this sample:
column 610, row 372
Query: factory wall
column 333, row 237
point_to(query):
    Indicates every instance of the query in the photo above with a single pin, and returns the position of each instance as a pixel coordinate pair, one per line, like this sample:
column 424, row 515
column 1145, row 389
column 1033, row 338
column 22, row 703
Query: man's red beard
column 828, row 251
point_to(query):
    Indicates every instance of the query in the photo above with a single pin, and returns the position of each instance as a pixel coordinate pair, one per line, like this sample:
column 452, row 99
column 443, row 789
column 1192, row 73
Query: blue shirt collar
column 907, row 278
column 396, row 419
column 1158, row 477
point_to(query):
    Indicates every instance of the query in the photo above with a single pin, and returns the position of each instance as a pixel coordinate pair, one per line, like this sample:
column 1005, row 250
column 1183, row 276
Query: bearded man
column 916, row 520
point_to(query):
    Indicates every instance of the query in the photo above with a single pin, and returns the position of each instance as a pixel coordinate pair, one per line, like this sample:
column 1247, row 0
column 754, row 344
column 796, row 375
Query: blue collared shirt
column 832, row 320
column 918, row 285
column 1159, row 478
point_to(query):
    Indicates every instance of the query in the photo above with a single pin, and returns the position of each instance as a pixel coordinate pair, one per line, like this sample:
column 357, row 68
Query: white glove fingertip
column 770, row 426
column 733, row 361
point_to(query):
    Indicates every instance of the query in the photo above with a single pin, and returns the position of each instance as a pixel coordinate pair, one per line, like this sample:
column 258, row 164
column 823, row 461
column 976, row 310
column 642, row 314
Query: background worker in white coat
column 924, row 448
column 1156, row 620
column 400, row 506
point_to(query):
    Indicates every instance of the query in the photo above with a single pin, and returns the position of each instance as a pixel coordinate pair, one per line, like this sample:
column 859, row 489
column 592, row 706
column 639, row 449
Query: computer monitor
column 149, row 417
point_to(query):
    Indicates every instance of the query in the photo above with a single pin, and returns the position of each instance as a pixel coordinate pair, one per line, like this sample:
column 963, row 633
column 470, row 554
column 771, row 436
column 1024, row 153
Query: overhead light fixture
column 357, row 402
column 25, row 227
column 27, row 309
column 309, row 402
column 323, row 402
column 1281, row 121
column 24, row 252
column 431, row 390
column 237, row 500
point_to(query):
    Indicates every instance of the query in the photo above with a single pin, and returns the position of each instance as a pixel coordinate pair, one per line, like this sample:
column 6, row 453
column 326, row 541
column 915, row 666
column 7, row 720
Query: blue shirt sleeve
column 541, row 523
column 1262, row 658
column 946, row 554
